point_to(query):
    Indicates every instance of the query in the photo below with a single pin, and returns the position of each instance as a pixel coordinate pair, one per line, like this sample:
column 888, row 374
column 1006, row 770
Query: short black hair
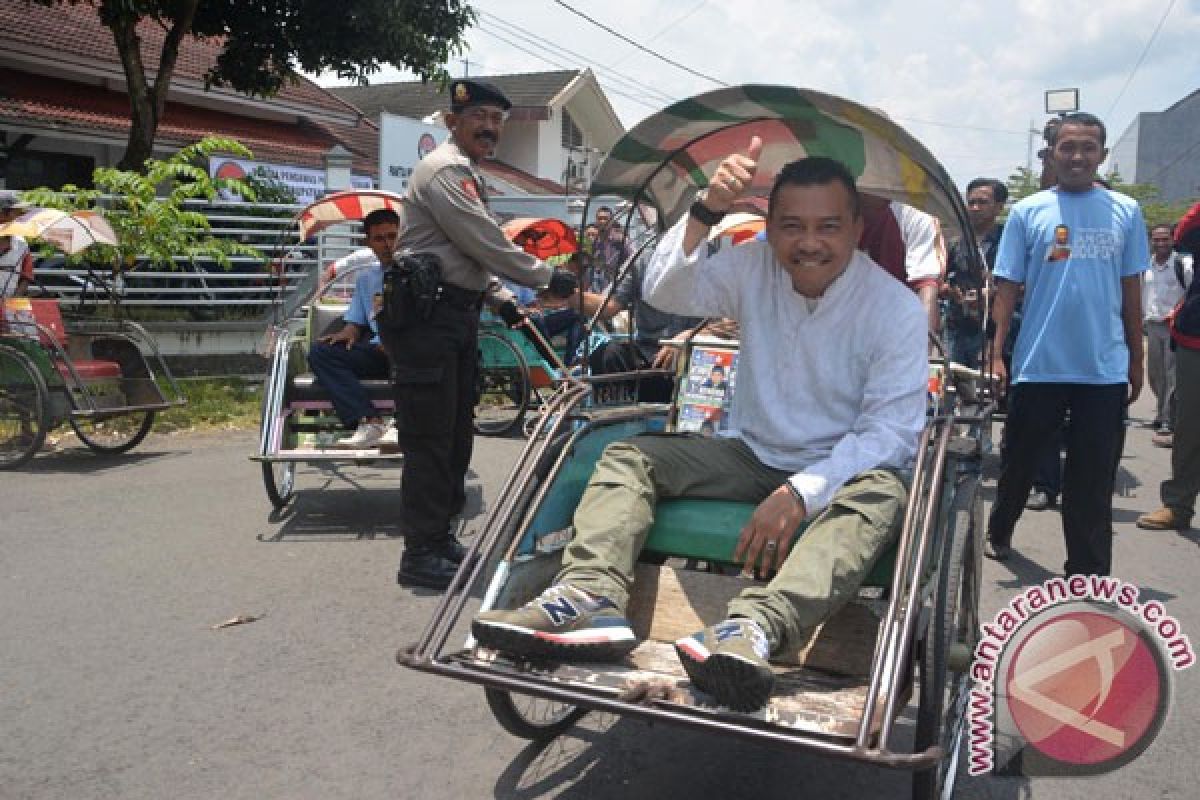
column 1076, row 118
column 816, row 171
column 1168, row 227
column 380, row 216
column 605, row 208
column 999, row 190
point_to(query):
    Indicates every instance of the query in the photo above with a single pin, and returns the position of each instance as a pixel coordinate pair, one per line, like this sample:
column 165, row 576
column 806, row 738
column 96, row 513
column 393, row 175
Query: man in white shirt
column 1163, row 286
column 829, row 405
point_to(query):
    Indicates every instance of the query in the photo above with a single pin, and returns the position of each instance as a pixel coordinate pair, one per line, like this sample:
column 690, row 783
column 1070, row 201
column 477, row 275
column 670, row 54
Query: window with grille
column 571, row 135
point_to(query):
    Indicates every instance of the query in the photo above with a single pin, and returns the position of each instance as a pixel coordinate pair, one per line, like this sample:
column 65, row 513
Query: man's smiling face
column 1078, row 151
column 813, row 231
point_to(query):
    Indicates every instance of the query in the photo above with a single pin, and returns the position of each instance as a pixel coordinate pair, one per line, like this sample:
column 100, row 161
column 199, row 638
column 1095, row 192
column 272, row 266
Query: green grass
column 215, row 403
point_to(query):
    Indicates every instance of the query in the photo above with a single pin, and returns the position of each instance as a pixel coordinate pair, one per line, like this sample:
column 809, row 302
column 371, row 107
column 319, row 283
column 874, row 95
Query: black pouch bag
column 410, row 290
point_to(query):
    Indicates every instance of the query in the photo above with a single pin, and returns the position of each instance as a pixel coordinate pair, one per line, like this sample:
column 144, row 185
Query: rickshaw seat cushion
column 49, row 316
column 89, row 370
column 708, row 530
column 326, row 319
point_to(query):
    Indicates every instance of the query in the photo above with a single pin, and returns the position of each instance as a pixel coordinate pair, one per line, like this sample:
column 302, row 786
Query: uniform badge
column 470, row 189
column 461, row 95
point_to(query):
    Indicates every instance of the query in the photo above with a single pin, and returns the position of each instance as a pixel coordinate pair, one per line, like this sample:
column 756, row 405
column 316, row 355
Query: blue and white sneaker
column 729, row 661
column 562, row 624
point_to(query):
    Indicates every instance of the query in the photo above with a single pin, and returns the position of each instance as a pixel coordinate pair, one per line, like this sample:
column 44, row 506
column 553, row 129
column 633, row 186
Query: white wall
column 519, row 146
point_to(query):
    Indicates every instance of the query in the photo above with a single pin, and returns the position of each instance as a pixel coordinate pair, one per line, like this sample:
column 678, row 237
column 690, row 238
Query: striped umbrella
column 71, row 232
column 348, row 206
column 667, row 158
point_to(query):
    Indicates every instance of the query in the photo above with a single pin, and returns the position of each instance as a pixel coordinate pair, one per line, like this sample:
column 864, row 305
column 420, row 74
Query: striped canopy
column 348, row 206
column 667, row 158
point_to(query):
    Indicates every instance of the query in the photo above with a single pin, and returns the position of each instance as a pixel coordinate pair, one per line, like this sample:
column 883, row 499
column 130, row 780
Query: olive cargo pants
column 823, row 571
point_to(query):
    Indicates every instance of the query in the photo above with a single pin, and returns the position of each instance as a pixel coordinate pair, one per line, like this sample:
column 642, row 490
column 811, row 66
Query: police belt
column 460, row 298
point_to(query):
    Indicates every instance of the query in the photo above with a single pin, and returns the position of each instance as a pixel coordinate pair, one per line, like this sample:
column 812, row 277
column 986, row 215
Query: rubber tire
column 38, row 413
column 112, row 449
column 280, row 488
column 954, row 618
column 522, row 724
column 505, row 426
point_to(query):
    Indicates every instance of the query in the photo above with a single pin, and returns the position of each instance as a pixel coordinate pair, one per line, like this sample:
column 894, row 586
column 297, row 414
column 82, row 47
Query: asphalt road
column 114, row 684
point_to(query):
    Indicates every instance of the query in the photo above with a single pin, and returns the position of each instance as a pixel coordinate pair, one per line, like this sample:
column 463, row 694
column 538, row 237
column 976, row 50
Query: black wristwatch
column 705, row 214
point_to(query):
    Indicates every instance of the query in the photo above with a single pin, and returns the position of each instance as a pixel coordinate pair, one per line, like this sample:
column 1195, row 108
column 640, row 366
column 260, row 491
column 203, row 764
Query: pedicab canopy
column 547, row 239
column 667, row 158
column 738, row 227
column 348, row 206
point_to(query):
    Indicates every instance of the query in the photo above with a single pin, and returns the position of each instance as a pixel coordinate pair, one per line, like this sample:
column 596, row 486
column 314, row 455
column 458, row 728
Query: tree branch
column 170, row 53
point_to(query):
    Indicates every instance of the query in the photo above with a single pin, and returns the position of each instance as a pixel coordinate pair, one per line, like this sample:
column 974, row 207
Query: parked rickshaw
column 298, row 425
column 885, row 680
column 103, row 376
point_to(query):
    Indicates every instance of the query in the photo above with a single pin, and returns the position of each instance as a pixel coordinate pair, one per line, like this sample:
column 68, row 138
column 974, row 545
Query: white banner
column 402, row 143
column 306, row 183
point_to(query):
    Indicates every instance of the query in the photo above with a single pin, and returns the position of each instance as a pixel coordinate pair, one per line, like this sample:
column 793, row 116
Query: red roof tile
column 75, row 31
column 34, row 99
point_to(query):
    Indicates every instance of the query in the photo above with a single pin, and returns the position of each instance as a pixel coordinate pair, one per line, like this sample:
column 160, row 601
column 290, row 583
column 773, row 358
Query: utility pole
column 467, row 66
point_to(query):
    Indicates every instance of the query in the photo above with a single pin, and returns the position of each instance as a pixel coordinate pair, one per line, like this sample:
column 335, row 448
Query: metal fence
column 204, row 290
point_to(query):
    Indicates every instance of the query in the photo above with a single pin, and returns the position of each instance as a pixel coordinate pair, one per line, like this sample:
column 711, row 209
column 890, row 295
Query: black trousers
column 434, row 367
column 1093, row 441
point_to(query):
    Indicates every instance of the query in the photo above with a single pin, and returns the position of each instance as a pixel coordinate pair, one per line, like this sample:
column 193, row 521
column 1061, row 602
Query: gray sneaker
column 365, row 437
column 729, row 661
column 562, row 623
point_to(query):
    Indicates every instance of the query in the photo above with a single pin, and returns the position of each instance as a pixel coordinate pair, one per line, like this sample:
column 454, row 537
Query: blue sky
column 966, row 78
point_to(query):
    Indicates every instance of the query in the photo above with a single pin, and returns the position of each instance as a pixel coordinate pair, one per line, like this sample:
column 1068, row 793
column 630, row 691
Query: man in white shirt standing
column 1163, row 286
column 829, row 406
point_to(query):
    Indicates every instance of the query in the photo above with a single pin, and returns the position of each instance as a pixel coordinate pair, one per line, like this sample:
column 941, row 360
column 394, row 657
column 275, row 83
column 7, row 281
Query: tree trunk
column 146, row 102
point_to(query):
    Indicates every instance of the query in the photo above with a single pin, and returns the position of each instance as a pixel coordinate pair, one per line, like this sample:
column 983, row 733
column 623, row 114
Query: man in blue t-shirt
column 341, row 360
column 1078, row 249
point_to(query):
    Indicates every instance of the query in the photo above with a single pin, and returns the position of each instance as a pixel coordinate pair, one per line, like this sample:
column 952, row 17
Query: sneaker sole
column 592, row 644
column 732, row 681
column 408, row 579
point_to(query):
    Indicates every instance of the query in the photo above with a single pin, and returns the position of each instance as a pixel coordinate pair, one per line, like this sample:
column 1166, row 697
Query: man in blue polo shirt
column 1078, row 249
column 342, row 360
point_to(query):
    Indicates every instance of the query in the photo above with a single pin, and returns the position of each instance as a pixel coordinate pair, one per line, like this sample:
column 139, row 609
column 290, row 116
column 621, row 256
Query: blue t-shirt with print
column 367, row 287
column 1071, row 250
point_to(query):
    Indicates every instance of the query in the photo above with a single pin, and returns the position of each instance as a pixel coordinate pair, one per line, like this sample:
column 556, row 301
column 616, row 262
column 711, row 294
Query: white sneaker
column 366, row 437
column 390, row 441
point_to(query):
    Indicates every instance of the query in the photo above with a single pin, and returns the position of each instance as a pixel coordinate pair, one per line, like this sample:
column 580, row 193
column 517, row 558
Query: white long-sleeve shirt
column 1161, row 289
column 824, row 393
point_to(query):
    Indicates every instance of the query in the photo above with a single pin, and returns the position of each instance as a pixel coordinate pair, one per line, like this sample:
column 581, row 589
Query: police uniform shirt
column 446, row 215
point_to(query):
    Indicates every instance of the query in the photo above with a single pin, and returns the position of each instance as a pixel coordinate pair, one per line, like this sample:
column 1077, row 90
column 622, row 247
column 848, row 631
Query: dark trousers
column 1093, row 440
column 434, row 368
column 339, row 370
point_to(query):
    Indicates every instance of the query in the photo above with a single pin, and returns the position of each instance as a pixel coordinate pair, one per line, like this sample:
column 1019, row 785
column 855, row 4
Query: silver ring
column 771, row 545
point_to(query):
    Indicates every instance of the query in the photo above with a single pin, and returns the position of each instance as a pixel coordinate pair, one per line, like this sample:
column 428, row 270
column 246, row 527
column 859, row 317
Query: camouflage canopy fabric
column 667, row 158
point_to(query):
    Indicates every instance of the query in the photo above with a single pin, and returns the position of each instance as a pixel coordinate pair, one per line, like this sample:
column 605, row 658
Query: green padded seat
column 708, row 530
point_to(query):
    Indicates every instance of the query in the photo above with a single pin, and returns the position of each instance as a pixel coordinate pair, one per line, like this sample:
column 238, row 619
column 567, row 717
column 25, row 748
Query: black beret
column 465, row 93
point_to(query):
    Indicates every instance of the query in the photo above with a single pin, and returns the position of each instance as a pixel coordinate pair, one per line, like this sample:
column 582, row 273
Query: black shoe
column 997, row 552
column 1039, row 501
column 426, row 566
column 449, row 548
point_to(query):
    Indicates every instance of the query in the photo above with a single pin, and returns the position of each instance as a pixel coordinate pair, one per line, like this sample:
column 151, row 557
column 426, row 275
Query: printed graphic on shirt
column 377, row 303
column 1061, row 249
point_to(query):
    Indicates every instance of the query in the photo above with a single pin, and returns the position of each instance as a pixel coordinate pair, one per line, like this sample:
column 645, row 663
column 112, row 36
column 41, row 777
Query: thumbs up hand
column 733, row 178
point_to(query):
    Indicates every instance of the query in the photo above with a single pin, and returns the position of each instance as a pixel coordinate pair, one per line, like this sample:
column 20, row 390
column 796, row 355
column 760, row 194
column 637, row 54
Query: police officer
column 434, row 360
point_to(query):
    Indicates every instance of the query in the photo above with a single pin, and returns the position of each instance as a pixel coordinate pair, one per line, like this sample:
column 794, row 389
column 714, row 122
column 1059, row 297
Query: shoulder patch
column 470, row 189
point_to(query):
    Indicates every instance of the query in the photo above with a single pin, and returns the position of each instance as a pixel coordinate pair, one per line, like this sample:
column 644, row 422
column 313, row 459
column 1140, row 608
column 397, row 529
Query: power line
column 962, row 127
column 548, row 60
column 664, row 29
column 512, row 29
column 641, row 46
column 1141, row 58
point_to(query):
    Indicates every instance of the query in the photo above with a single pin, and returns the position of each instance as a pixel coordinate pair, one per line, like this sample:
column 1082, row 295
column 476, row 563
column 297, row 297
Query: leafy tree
column 1154, row 209
column 151, row 227
column 265, row 41
column 1022, row 183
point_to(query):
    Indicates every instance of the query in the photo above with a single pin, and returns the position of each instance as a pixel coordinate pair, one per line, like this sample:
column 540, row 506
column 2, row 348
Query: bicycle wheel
column 23, row 408
column 533, row 718
column 502, row 386
column 279, row 479
column 945, row 687
column 111, row 434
